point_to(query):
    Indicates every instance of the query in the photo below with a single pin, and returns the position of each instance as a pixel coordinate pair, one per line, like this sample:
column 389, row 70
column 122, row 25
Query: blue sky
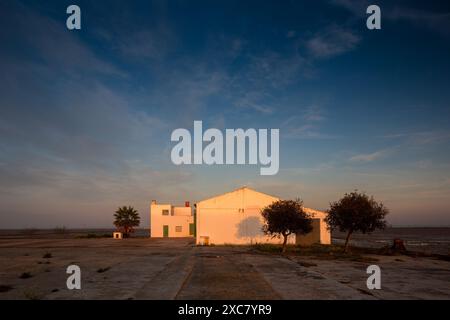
column 86, row 116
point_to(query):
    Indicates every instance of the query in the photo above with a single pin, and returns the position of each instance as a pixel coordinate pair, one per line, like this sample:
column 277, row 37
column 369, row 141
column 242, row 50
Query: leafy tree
column 285, row 217
column 356, row 212
column 126, row 218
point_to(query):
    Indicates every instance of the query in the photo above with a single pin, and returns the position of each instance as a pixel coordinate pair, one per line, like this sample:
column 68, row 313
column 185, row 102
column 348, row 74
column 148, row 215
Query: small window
column 178, row 229
column 165, row 212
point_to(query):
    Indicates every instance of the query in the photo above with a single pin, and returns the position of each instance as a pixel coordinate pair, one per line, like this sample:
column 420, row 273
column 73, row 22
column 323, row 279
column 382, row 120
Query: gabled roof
column 241, row 188
column 309, row 210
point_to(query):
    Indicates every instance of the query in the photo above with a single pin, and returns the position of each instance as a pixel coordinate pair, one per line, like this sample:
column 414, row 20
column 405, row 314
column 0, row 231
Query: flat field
column 144, row 268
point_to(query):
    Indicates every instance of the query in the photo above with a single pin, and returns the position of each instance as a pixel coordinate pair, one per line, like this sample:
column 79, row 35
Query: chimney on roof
column 187, row 204
column 153, row 202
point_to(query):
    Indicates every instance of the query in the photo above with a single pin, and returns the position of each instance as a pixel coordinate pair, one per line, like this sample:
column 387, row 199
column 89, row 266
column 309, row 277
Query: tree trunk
column 284, row 243
column 347, row 240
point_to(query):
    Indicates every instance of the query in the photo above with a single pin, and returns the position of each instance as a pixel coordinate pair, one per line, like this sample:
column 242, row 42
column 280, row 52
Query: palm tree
column 126, row 218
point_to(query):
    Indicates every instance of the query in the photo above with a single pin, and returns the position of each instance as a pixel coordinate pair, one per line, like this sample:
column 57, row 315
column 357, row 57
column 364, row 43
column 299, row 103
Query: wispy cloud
column 370, row 157
column 255, row 100
column 314, row 114
column 67, row 139
column 331, row 42
column 85, row 117
column 436, row 21
column 421, row 137
column 263, row 73
column 51, row 43
column 306, row 125
column 357, row 7
column 291, row 34
column 272, row 69
column 147, row 44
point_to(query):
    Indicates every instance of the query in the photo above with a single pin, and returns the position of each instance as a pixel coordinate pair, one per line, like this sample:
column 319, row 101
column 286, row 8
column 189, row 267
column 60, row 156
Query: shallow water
column 428, row 240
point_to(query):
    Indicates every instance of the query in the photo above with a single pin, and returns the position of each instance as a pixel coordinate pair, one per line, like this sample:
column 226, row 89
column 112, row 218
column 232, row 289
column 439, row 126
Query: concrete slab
column 220, row 273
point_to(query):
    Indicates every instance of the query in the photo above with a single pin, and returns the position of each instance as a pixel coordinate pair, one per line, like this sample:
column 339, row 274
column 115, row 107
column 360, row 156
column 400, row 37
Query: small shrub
column 94, row 236
column 307, row 264
column 101, row 270
column 5, row 288
column 364, row 259
column 47, row 255
column 25, row 275
column 442, row 257
column 31, row 294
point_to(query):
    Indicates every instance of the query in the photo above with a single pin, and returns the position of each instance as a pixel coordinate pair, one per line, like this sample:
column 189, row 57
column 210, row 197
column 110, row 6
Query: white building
column 171, row 221
column 235, row 218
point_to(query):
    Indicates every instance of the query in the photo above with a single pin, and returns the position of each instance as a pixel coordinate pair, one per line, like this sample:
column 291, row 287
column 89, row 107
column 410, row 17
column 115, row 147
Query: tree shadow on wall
column 249, row 228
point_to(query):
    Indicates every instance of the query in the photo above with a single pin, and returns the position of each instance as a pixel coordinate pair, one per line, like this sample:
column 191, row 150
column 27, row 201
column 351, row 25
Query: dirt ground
column 177, row 269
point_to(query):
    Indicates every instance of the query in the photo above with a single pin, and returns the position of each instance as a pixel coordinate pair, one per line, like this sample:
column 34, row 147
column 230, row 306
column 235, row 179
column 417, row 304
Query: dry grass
column 325, row 252
column 94, row 236
column 32, row 294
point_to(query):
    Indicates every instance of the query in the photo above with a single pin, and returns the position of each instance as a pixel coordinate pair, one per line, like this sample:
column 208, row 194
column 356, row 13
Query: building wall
column 321, row 233
column 182, row 211
column 178, row 216
column 235, row 218
column 310, row 238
